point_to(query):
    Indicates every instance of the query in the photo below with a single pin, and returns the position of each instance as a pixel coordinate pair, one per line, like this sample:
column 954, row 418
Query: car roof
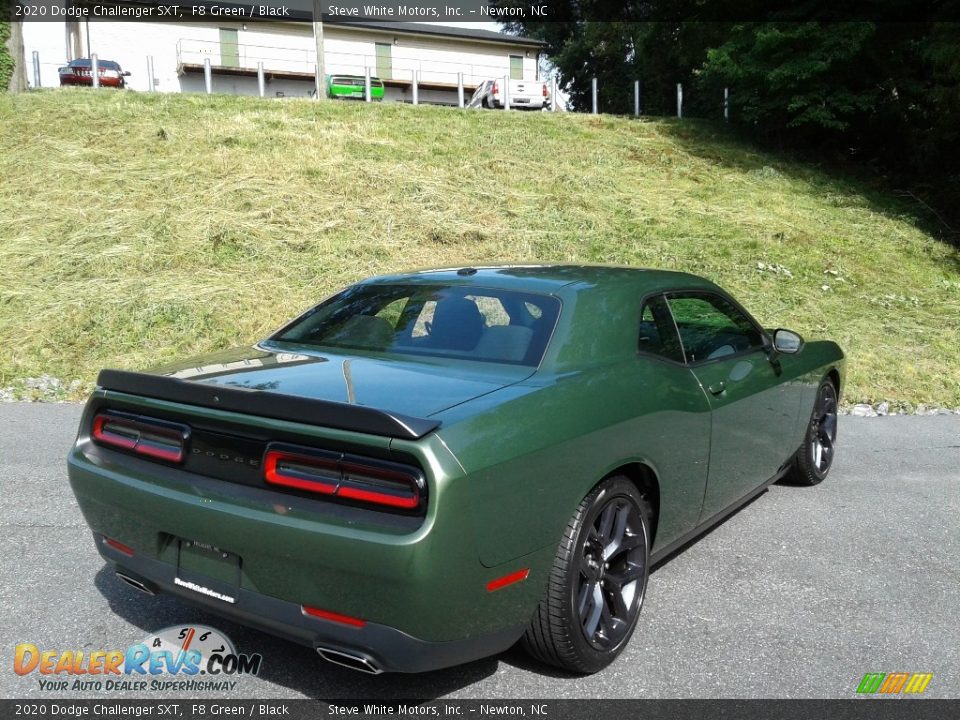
column 552, row 279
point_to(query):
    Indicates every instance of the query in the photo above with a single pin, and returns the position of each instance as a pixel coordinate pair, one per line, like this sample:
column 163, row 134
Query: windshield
column 472, row 323
column 103, row 64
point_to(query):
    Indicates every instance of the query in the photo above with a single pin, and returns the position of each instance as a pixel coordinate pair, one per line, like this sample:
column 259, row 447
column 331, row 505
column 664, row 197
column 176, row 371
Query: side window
column 658, row 336
column 711, row 327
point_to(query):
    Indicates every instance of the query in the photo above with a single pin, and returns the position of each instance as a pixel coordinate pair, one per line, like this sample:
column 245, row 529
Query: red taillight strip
column 369, row 481
column 146, row 437
column 353, row 486
column 332, row 616
column 159, row 452
column 104, row 435
column 117, row 545
column 272, row 474
column 510, row 579
column 354, row 493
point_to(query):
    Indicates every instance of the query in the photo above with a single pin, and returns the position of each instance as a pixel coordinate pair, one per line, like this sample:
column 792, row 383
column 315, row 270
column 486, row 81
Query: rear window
column 471, row 323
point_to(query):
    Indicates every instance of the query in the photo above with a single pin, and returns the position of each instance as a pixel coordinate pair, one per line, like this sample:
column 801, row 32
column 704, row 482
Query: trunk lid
column 419, row 387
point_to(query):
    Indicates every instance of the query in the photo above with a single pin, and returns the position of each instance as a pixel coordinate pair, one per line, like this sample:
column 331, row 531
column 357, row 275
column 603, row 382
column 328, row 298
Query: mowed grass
column 138, row 228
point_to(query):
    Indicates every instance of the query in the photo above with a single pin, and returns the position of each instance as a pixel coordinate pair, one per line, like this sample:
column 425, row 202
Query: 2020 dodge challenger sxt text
column 428, row 467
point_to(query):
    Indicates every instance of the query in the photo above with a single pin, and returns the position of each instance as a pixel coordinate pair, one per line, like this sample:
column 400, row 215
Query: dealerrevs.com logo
column 179, row 658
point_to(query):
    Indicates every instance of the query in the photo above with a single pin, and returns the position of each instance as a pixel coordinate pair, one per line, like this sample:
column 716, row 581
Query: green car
column 353, row 87
column 427, row 468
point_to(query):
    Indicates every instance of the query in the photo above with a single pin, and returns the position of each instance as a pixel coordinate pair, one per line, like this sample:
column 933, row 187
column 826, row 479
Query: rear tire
column 597, row 583
column 815, row 456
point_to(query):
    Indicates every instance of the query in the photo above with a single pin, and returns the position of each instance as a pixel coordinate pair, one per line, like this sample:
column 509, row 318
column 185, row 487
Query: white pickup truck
column 524, row 95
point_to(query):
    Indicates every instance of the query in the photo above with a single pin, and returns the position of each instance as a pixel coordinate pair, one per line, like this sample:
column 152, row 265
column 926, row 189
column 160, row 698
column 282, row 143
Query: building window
column 516, row 67
column 229, row 48
column 384, row 69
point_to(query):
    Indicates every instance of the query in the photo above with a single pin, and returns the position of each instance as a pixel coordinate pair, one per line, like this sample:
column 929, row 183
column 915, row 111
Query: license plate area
column 208, row 570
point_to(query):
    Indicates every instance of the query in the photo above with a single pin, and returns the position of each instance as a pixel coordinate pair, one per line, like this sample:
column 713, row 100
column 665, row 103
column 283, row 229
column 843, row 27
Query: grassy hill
column 137, row 228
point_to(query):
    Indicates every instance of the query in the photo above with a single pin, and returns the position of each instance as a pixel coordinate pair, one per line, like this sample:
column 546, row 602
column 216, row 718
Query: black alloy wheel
column 815, row 457
column 597, row 583
column 613, row 570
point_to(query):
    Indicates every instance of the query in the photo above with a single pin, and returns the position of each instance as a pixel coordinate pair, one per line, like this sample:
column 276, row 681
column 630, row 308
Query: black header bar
column 501, row 11
column 202, row 709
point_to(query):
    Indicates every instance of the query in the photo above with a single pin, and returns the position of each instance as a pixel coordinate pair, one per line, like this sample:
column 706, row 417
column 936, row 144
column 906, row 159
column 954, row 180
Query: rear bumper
column 420, row 589
column 536, row 103
column 384, row 648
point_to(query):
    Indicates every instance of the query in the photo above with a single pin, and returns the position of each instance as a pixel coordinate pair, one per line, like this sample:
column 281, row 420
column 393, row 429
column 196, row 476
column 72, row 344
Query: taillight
column 496, row 89
column 151, row 438
column 349, row 477
column 379, row 485
column 317, row 472
column 545, row 93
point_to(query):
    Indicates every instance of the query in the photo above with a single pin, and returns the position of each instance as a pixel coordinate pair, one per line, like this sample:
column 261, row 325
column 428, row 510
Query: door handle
column 718, row 388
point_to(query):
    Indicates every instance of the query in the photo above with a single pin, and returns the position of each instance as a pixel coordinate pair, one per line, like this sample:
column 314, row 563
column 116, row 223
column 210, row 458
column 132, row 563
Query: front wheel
column 815, row 456
column 597, row 582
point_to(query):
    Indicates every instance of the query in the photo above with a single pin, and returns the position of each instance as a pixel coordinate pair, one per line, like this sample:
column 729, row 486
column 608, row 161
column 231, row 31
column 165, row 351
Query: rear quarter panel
column 535, row 451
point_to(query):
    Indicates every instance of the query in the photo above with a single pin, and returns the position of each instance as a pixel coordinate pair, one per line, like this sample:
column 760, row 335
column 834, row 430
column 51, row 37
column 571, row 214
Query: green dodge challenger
column 428, row 467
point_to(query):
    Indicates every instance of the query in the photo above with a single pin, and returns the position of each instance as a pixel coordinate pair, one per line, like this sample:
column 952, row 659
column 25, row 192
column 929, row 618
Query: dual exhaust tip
column 354, row 661
column 351, row 660
column 137, row 584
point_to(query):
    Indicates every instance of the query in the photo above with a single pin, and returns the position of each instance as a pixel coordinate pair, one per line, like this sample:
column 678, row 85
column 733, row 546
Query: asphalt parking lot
column 797, row 595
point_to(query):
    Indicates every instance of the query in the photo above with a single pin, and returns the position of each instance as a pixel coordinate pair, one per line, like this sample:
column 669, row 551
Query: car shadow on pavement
column 516, row 657
column 300, row 670
column 697, row 538
column 285, row 663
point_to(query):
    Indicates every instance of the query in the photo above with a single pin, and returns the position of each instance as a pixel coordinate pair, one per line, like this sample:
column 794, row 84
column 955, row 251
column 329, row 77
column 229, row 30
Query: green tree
column 798, row 76
column 12, row 72
column 657, row 53
column 6, row 62
column 886, row 94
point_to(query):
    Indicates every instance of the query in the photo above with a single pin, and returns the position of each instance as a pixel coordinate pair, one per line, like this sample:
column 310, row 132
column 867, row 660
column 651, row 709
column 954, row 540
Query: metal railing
column 262, row 59
column 245, row 57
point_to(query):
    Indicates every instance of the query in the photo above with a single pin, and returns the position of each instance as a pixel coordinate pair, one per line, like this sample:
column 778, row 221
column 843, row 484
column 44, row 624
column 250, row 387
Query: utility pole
column 321, row 79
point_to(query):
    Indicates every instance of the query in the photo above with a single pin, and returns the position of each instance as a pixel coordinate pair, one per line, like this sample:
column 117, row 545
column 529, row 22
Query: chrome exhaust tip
column 134, row 583
column 354, row 661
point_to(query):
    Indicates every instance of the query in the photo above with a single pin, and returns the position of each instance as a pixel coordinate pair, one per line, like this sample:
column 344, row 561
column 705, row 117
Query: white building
column 393, row 51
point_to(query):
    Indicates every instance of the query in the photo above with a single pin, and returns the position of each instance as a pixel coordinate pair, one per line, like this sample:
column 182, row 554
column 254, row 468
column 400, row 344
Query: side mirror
column 126, row 73
column 787, row 342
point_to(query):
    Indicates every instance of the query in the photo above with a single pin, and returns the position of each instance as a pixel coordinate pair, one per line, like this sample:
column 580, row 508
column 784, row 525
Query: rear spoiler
column 342, row 416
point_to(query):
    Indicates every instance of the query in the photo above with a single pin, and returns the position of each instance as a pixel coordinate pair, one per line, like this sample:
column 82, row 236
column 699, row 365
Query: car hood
column 414, row 387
